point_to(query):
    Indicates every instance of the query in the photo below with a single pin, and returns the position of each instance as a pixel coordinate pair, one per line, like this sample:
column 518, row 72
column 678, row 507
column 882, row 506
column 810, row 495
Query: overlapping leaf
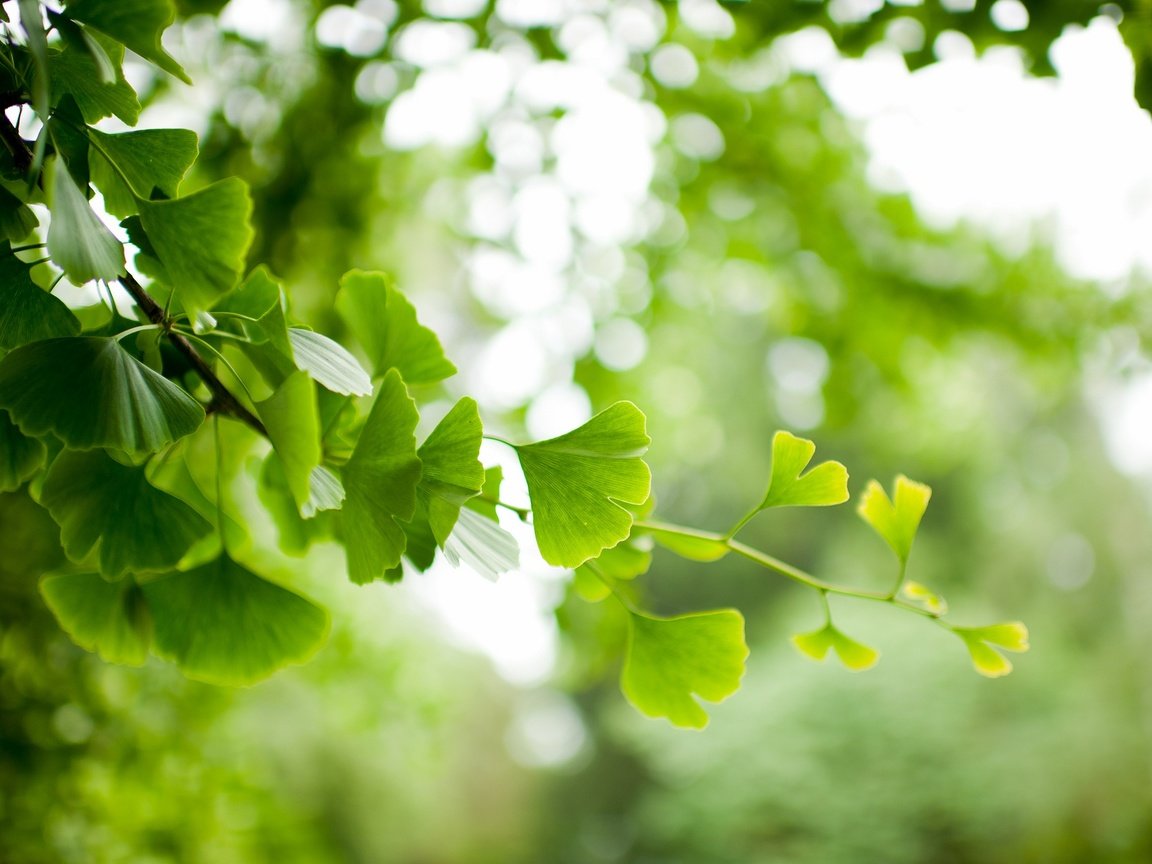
column 452, row 470
column 90, row 392
column 79, row 243
column 577, row 480
column 329, row 363
column 98, row 501
column 20, row 456
column 135, row 23
column 482, row 544
column 76, row 71
column 689, row 543
column 672, row 661
column 27, row 312
column 110, row 618
column 293, row 426
column 131, row 165
column 17, row 220
column 895, row 521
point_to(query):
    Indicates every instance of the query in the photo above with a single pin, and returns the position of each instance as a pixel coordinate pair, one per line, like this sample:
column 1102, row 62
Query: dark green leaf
column 76, row 37
column 74, row 71
column 66, row 126
column 136, row 23
column 149, row 160
column 16, row 218
column 79, row 243
column 110, row 618
column 20, row 456
column 27, row 312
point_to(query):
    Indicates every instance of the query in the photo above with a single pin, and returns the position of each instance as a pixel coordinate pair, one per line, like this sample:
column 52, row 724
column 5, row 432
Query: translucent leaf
column 325, row 492
column 28, row 313
column 77, row 37
column 896, row 523
column 482, row 544
column 380, row 481
column 854, row 655
column 626, row 560
column 484, row 503
column 20, row 456
column 201, row 240
column 575, row 482
column 924, row 597
column 823, row 486
column 79, row 243
column 452, row 469
column 97, row 501
column 223, row 624
column 17, row 220
column 75, row 71
column 260, row 298
column 110, row 618
column 293, row 426
column 671, row 661
column 1010, row 636
column 149, row 159
column 590, row 587
column 384, row 323
column 329, row 363
column 90, row 393
column 690, row 544
column 136, row 23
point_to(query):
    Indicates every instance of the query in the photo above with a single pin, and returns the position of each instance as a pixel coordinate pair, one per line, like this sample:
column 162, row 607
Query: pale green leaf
column 28, row 313
column 293, row 427
column 201, row 240
column 223, row 624
column 90, row 392
column 110, row 618
column 380, row 482
column 79, row 243
column 452, row 469
column 924, row 597
column 482, row 544
column 672, row 661
column 982, row 643
column 896, row 522
column 97, row 501
column 385, row 325
column 149, row 159
column 590, row 587
column 575, row 482
column 325, row 492
column 329, row 363
column 854, row 655
column 20, row 456
column 77, row 72
column 689, row 543
column 136, row 23
column 823, row 486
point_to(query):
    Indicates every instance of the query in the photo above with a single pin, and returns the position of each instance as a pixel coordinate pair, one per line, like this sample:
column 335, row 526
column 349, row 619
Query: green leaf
column 380, row 481
column 482, row 544
column 924, row 597
column 854, row 655
column 329, row 363
column 576, row 480
column 96, row 500
column 670, row 661
column 452, row 470
column 201, row 240
column 90, row 392
column 32, row 23
column 384, row 323
column 110, row 618
column 17, row 220
column 28, row 313
column 136, row 23
column 223, row 624
column 66, row 126
column 689, row 543
column 983, row 641
column 75, row 71
column 149, row 160
column 79, row 243
column 20, row 456
column 260, row 298
column 896, row 523
column 484, row 503
column 325, row 492
column 293, row 426
column 823, row 486
column 80, row 39
column 624, row 561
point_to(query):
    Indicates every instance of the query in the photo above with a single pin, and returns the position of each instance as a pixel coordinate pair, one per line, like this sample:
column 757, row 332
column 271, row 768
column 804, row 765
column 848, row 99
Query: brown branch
column 15, row 145
column 223, row 401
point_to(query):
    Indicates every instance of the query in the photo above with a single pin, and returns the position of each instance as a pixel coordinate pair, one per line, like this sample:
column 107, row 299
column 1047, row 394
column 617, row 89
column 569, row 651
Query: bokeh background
column 915, row 232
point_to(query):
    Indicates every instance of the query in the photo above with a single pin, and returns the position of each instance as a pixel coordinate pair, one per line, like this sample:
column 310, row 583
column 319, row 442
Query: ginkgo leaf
column 380, row 482
column 201, row 240
column 822, row 486
column 76, row 36
column 689, row 543
column 27, row 312
column 20, row 456
column 75, row 71
column 485, row 502
column 79, row 243
column 325, row 492
column 896, row 522
column 17, row 220
column 924, row 597
column 293, row 427
column 223, row 624
column 260, row 299
column 147, row 160
column 452, row 469
column 983, row 641
column 854, row 655
column 96, row 500
column 329, row 363
column 90, row 392
column 671, row 661
column 482, row 544
column 575, row 482
column 136, row 23
column 110, row 618
column 626, row 560
column 384, row 323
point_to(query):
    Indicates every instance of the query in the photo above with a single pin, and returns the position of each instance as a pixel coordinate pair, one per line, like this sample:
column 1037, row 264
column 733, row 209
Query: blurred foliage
column 776, row 288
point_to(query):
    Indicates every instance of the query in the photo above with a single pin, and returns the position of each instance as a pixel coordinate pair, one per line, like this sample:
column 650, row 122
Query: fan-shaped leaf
column 79, row 243
column 110, row 618
column 854, row 655
column 28, row 312
column 823, row 486
column 983, row 641
column 77, row 72
column 689, row 543
column 136, row 23
column 293, row 426
column 329, row 363
column 149, row 159
column 482, row 544
column 452, row 470
column 90, row 392
column 20, row 456
column 896, row 522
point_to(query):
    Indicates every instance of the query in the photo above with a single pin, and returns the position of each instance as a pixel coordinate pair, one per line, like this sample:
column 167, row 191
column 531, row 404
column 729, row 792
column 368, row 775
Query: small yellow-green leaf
column 1009, row 636
column 854, row 655
column 578, row 481
column 690, row 543
column 823, row 486
column 110, row 618
column 898, row 521
column 79, row 243
column 670, row 662
column 925, row 597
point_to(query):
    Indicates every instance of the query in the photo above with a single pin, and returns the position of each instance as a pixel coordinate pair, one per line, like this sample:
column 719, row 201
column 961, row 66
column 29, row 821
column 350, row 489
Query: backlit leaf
column 575, row 482
column 982, row 643
column 136, row 23
column 854, row 655
column 689, row 543
column 149, row 159
column 79, row 243
column 90, row 392
column 482, row 544
column 96, row 500
column 223, row 624
column 380, row 482
column 329, row 363
column 75, row 71
column 895, row 522
column 452, row 470
column 924, row 597
column 384, row 323
column 27, row 312
column 671, row 661
column 110, row 618
column 260, row 298
column 822, row 486
column 290, row 417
